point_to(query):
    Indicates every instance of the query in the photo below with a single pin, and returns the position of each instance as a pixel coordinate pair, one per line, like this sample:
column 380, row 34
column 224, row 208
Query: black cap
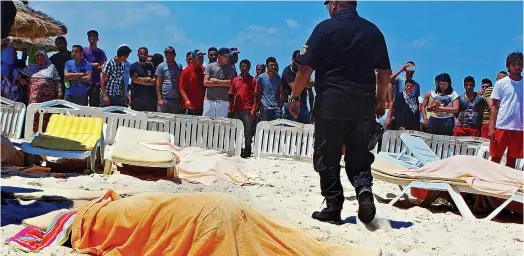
column 123, row 50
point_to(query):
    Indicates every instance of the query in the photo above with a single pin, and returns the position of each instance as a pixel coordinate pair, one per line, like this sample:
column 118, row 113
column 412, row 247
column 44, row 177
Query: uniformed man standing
column 344, row 51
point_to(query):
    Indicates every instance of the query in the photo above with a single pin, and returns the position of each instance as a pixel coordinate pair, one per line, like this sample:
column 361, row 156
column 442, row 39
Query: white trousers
column 215, row 108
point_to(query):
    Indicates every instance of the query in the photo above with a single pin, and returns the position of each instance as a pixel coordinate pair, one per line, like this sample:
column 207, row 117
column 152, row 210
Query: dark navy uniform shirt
column 344, row 51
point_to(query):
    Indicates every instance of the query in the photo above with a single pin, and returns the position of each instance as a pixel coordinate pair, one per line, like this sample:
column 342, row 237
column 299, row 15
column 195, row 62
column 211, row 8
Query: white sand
column 291, row 192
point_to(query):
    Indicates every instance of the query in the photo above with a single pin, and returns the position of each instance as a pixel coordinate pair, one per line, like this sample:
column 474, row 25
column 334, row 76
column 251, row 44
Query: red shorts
column 484, row 131
column 466, row 131
column 512, row 140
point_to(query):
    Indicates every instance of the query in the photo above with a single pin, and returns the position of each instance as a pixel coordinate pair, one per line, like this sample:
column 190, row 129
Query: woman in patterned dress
column 43, row 82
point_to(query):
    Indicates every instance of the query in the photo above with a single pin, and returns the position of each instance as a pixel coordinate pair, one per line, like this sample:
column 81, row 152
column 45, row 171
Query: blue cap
column 224, row 52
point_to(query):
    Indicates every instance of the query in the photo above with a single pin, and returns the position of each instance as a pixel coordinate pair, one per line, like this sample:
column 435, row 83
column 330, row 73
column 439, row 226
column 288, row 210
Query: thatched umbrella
column 20, row 43
column 33, row 24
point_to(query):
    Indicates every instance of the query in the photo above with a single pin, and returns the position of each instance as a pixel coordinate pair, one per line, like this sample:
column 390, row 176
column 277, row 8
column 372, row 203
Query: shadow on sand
column 14, row 212
column 380, row 223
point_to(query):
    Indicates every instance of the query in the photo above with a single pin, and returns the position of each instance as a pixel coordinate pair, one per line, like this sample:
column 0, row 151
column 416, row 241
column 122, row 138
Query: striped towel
column 33, row 239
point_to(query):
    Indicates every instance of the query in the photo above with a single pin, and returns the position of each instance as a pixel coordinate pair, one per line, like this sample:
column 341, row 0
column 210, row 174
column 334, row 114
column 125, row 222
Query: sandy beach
column 290, row 191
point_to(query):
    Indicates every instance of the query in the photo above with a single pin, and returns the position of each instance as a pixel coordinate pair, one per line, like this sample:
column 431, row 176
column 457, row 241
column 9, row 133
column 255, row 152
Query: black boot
column 329, row 216
column 366, row 206
column 245, row 153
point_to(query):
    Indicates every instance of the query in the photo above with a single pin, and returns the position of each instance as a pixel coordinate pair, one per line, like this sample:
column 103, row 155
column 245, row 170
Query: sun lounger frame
column 453, row 186
column 443, row 146
column 284, row 139
column 222, row 134
column 12, row 118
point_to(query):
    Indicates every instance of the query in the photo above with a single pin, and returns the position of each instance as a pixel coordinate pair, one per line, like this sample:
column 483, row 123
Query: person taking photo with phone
column 398, row 83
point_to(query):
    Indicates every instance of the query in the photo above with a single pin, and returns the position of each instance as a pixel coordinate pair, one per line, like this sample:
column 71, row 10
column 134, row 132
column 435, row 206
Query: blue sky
column 460, row 38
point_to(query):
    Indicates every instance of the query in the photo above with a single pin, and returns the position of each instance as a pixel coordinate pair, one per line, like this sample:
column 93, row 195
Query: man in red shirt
column 243, row 104
column 191, row 85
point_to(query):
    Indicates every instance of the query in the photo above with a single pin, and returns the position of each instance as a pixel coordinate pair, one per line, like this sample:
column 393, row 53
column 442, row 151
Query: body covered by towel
column 189, row 224
column 479, row 173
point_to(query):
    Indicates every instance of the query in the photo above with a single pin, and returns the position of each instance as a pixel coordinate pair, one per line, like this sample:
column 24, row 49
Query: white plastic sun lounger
column 81, row 127
column 422, row 153
column 126, row 149
column 12, row 117
column 384, row 169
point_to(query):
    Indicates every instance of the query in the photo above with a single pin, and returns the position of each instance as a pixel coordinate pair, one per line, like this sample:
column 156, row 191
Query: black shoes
column 366, row 206
column 245, row 153
column 329, row 216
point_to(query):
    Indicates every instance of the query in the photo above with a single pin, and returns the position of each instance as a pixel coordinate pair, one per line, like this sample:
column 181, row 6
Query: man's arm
column 389, row 98
column 159, row 82
column 183, row 85
column 394, row 76
column 256, row 97
column 494, row 111
column 86, row 78
column 218, row 82
column 208, row 82
column 69, row 76
column 383, row 76
column 147, row 81
column 231, row 93
column 103, row 84
column 98, row 66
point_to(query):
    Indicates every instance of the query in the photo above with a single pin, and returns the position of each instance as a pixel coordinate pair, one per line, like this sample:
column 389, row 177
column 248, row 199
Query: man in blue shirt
column 270, row 85
column 77, row 76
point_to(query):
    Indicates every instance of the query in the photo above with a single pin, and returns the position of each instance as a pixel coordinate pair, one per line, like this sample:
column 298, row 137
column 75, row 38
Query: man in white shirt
column 506, row 121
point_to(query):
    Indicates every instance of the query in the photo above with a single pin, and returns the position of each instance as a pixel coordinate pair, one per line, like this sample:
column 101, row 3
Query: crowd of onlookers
column 213, row 88
column 87, row 77
column 493, row 112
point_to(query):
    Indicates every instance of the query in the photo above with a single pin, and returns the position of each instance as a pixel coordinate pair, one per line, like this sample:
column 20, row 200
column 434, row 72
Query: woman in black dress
column 407, row 113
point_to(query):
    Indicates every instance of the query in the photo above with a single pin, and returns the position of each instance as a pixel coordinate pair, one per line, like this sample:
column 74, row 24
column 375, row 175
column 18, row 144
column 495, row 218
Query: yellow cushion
column 70, row 133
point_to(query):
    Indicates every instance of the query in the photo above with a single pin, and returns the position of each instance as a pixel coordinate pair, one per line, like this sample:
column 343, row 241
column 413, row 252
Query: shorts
column 506, row 139
column 216, row 108
column 484, row 131
column 466, row 131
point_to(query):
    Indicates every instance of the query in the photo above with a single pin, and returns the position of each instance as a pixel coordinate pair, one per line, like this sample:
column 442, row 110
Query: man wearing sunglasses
column 212, row 56
column 344, row 52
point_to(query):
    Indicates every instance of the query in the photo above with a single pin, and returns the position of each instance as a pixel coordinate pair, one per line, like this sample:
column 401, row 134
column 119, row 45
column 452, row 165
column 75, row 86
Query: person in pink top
column 506, row 122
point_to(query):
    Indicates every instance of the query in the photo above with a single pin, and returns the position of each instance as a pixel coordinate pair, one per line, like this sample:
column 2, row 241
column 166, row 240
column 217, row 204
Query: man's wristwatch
column 293, row 99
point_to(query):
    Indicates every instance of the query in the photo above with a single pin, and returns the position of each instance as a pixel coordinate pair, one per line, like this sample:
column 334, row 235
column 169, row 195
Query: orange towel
column 189, row 224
